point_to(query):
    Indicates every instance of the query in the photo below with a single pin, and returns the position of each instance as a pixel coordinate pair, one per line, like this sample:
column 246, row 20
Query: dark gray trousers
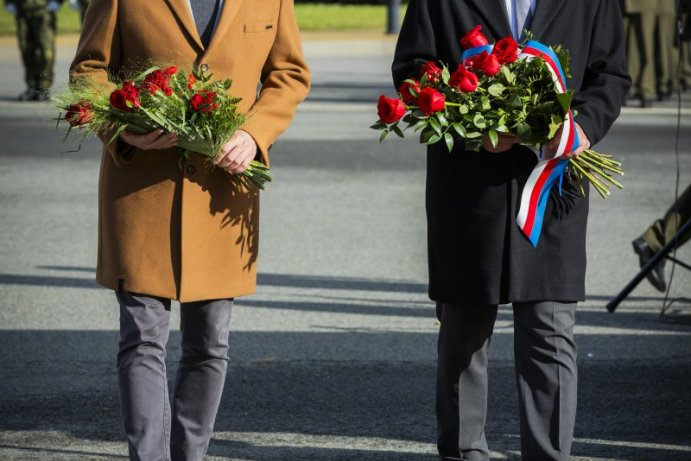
column 152, row 430
column 545, row 359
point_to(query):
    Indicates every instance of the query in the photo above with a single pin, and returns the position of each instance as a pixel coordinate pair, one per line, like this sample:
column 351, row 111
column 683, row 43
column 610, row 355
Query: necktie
column 521, row 12
column 205, row 12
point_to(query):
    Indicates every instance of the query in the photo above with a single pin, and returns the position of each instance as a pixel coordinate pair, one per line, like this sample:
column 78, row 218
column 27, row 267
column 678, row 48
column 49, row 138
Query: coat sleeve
column 417, row 43
column 98, row 57
column 285, row 81
column 606, row 80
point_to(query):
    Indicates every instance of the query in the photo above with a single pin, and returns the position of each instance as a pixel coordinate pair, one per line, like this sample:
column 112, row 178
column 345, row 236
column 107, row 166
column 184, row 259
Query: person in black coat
column 478, row 257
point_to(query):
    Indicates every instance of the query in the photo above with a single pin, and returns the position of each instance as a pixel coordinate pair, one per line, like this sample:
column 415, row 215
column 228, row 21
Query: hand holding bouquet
column 502, row 89
column 199, row 110
column 491, row 92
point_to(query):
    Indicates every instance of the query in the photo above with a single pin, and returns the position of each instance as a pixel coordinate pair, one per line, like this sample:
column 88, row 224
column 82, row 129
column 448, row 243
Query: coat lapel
column 181, row 9
column 228, row 13
column 545, row 12
column 494, row 13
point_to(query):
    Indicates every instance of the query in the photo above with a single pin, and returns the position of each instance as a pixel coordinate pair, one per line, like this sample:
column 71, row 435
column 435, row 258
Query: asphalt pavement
column 334, row 357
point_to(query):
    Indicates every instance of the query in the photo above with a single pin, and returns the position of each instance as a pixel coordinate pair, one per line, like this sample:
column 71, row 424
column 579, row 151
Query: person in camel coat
column 171, row 230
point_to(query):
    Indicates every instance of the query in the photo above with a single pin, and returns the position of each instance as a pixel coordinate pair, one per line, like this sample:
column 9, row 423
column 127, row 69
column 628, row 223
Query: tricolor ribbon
column 547, row 172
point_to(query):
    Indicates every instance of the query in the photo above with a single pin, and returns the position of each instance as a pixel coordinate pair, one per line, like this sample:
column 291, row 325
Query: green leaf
column 463, row 109
column 460, row 129
column 493, row 138
column 398, row 131
column 474, row 144
column 508, row 75
column 445, row 75
column 473, row 135
column 496, row 90
column 485, row 103
column 442, row 119
column 564, row 100
column 516, row 102
column 479, row 121
column 383, row 135
column 522, row 128
column 434, row 139
column 434, row 123
column 420, row 125
column 378, row 126
column 449, row 141
column 426, row 134
column 554, row 125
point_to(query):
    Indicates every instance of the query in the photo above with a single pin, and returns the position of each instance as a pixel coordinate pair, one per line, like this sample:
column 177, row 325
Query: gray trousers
column 545, row 359
column 152, row 430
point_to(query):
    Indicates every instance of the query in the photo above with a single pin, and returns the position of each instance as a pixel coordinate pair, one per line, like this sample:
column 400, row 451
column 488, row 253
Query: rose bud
column 430, row 101
column 506, row 50
column 408, row 96
column 172, row 70
column 463, row 79
column 79, row 114
column 390, row 110
column 474, row 38
column 431, row 72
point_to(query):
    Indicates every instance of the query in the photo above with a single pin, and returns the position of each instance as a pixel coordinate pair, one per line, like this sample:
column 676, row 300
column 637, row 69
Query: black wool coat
column 477, row 254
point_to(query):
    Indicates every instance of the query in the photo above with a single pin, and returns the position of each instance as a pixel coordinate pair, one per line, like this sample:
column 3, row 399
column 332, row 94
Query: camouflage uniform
column 668, row 53
column 36, row 30
column 640, row 30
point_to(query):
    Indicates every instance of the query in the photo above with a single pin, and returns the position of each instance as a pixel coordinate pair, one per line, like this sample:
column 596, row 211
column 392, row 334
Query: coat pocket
column 256, row 27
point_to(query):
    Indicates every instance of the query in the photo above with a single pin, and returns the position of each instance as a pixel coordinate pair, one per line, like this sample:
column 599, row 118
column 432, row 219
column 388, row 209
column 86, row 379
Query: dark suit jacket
column 477, row 254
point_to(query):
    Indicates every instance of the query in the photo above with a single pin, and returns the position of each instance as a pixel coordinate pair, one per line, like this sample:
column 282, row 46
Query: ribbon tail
column 535, row 194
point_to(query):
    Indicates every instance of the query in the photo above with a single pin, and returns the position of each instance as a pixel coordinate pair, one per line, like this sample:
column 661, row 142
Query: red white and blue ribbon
column 547, row 172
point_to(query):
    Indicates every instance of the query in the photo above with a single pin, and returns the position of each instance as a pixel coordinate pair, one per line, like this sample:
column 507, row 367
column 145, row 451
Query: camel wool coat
column 185, row 231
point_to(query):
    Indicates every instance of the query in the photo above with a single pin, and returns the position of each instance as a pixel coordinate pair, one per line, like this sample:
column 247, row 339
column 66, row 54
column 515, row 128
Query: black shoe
column 27, row 95
column 646, row 102
column 656, row 277
column 41, row 95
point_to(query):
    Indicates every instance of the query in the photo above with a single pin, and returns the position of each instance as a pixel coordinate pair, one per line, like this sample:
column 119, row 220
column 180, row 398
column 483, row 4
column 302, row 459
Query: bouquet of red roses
column 499, row 88
column 200, row 110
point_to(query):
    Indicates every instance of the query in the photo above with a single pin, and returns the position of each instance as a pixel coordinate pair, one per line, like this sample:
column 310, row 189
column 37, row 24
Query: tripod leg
column 612, row 305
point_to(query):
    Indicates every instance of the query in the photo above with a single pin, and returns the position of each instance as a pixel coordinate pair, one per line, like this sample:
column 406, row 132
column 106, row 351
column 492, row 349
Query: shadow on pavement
column 65, row 381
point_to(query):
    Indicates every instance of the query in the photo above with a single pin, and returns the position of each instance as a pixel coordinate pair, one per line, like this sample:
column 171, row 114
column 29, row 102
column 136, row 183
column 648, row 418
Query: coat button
column 190, row 169
column 204, row 67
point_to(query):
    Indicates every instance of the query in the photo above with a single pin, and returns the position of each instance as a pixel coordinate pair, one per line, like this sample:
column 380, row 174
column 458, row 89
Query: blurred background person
column 639, row 16
column 661, row 232
column 80, row 5
column 685, row 52
column 667, row 49
column 36, row 30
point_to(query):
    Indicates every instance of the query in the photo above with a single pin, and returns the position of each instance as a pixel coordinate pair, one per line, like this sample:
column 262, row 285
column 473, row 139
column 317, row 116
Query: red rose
column 506, row 50
column 430, row 101
column 431, row 72
column 172, row 70
column 203, row 103
column 409, row 97
column 486, row 63
column 390, row 110
column 125, row 98
column 474, row 38
column 79, row 114
column 158, row 80
column 464, row 80
column 191, row 81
